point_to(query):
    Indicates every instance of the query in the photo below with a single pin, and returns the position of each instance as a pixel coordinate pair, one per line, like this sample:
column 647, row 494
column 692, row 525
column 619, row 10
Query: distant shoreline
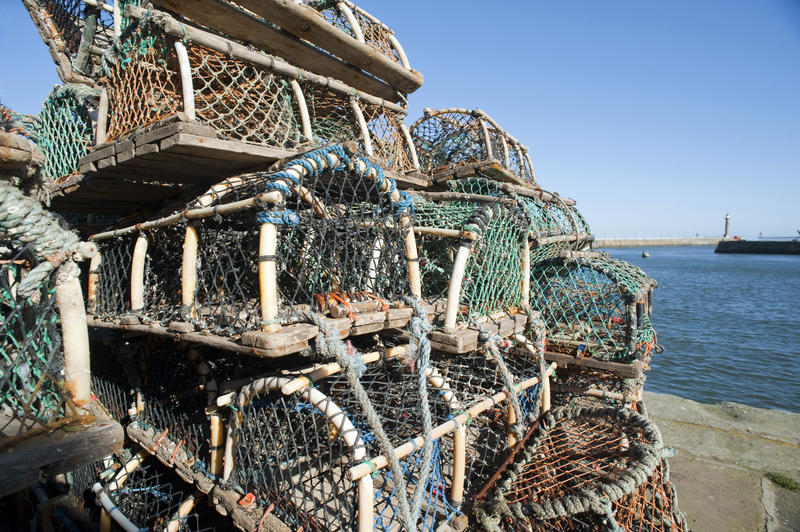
column 654, row 242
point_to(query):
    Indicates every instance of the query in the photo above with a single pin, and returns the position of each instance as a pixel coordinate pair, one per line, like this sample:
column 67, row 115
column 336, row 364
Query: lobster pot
column 452, row 137
column 554, row 224
column 477, row 375
column 63, row 24
column 480, row 259
column 152, row 497
column 63, row 130
column 574, row 472
column 595, row 306
column 296, row 450
column 576, row 385
column 239, row 99
column 31, row 359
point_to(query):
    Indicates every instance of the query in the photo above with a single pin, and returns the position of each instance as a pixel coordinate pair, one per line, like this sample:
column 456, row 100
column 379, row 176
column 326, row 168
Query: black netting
column 113, row 297
column 162, row 274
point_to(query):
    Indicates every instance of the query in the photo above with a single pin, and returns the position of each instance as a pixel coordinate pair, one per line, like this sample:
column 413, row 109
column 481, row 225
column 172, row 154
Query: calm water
column 729, row 324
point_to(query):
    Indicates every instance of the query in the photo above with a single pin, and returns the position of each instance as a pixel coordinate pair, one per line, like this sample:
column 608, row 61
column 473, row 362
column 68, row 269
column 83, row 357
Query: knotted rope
column 25, row 223
column 329, row 344
column 420, row 350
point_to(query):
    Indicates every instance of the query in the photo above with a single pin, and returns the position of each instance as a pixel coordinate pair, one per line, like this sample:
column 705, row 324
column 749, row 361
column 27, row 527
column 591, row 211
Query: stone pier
column 725, row 452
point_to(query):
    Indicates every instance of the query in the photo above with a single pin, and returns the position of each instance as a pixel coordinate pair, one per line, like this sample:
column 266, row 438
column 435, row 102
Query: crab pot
column 595, row 306
column 63, row 130
column 575, row 385
column 151, row 496
column 76, row 33
column 31, row 356
column 576, row 471
column 473, row 377
column 471, row 259
column 331, row 233
column 453, row 137
column 555, row 224
column 295, row 451
column 244, row 95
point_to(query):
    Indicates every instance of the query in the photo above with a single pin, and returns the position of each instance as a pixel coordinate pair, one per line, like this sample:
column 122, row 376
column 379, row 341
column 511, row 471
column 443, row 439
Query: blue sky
column 657, row 117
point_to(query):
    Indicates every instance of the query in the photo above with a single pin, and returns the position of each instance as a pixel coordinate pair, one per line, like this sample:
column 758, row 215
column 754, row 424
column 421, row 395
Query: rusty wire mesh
column 582, row 386
column 574, row 466
column 474, row 376
column 388, row 141
column 242, row 101
column 143, row 80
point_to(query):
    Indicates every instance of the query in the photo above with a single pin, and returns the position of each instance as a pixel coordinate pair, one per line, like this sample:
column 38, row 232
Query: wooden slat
column 58, row 452
column 242, row 26
column 629, row 371
column 306, row 23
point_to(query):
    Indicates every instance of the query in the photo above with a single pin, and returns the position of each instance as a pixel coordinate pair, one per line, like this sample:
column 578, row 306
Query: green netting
column 30, row 353
column 493, row 276
column 594, row 306
column 546, row 218
column 63, row 130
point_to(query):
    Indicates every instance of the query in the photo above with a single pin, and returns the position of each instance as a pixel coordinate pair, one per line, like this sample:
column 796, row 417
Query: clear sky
column 657, row 117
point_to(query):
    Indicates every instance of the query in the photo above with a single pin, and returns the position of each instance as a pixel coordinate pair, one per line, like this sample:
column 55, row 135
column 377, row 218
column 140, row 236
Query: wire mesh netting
column 330, row 113
column 575, row 465
column 113, row 295
column 595, row 306
column 173, row 397
column 388, row 141
column 114, row 377
column 297, row 458
column 581, row 386
column 151, row 495
column 242, row 101
column 69, row 20
column 375, row 34
column 142, row 79
column 493, row 276
column 545, row 218
column 654, row 506
column 63, row 130
column 31, row 360
column 458, row 136
column 475, row 376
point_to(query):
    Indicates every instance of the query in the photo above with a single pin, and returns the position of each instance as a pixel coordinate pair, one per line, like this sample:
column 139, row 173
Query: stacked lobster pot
column 311, row 316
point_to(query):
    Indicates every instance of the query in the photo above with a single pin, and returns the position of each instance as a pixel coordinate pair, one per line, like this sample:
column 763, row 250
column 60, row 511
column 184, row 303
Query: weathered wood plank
column 58, row 452
column 242, row 26
column 629, row 371
column 307, row 24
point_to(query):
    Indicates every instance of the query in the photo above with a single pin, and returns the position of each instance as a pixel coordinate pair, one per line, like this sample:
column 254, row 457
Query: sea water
column 729, row 324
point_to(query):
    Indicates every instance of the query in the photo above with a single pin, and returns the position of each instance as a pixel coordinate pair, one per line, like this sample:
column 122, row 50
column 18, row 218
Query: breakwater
column 653, row 242
column 773, row 247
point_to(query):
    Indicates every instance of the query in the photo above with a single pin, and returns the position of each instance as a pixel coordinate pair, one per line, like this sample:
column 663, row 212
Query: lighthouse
column 727, row 233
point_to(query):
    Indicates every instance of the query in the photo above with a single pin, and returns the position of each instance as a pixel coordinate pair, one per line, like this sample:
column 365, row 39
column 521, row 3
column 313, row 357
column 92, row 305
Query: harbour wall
column 727, row 453
column 773, row 247
column 653, row 242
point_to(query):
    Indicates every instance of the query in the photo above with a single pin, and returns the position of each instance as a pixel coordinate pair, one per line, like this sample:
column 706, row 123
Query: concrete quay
column 653, row 242
column 725, row 452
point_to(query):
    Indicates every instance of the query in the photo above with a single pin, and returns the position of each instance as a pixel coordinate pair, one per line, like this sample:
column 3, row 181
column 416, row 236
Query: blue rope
column 284, row 217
